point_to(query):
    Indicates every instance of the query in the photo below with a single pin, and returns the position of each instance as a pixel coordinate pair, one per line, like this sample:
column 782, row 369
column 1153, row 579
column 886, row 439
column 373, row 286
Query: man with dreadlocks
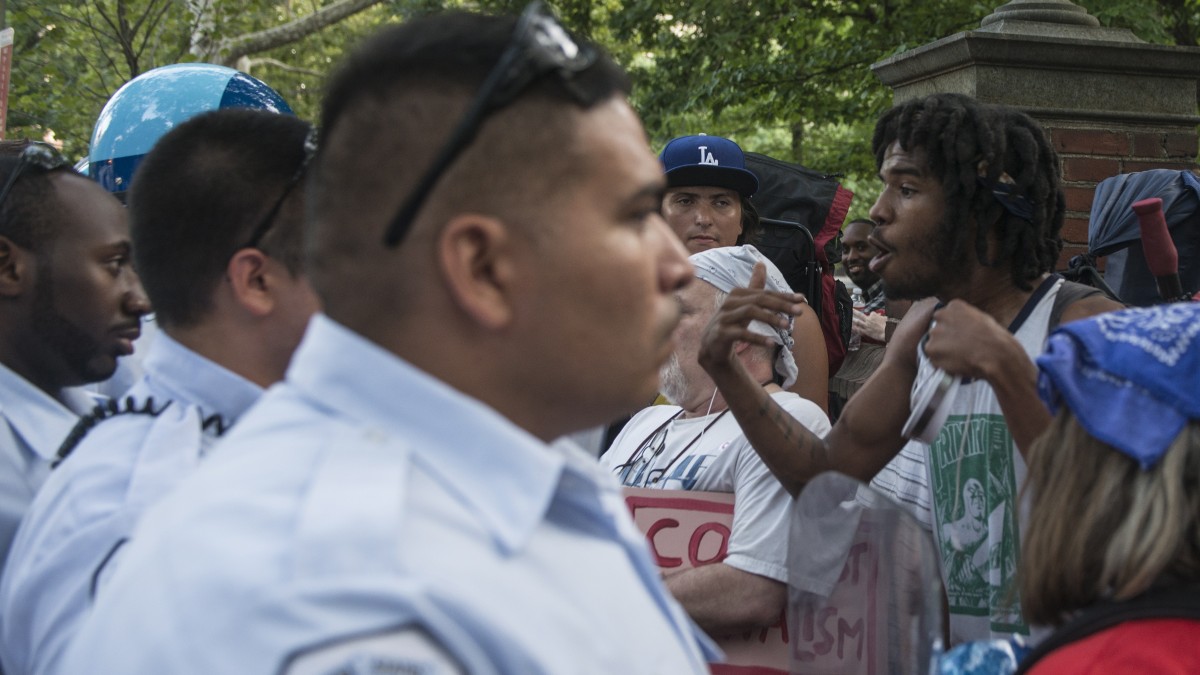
column 969, row 217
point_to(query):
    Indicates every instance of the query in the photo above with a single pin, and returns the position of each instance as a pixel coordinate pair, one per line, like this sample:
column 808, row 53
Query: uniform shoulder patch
column 406, row 650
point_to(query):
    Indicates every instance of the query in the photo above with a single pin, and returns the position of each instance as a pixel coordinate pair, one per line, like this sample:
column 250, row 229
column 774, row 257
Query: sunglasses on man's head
column 260, row 230
column 36, row 155
column 540, row 46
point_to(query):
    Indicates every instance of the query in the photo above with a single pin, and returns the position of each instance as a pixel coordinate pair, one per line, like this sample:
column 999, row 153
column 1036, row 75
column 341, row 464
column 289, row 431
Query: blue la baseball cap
column 707, row 160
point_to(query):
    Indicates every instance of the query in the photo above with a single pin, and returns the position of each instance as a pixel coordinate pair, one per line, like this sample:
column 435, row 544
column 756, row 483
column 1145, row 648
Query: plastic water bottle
column 856, row 299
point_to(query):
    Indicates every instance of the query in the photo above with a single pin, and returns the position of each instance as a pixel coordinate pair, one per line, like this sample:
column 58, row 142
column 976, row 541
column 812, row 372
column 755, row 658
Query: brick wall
column 1090, row 155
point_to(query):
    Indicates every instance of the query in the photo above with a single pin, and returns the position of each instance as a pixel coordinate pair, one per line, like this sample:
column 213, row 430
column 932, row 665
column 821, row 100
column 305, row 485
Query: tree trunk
column 203, row 27
column 798, row 141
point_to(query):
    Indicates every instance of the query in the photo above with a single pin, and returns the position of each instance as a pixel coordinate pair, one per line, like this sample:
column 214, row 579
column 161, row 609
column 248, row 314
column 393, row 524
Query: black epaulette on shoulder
column 216, row 423
column 103, row 411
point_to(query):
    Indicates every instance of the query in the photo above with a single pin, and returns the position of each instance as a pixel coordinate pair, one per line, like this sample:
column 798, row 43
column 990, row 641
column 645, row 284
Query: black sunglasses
column 260, row 230
column 36, row 155
column 539, row 46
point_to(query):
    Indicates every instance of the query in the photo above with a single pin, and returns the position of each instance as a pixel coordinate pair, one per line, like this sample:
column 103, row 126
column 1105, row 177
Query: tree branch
column 151, row 32
column 98, row 35
column 228, row 50
column 247, row 63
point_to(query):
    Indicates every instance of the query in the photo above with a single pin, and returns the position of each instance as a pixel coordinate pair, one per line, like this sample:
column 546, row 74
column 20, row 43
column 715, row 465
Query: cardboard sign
column 840, row 634
column 690, row 529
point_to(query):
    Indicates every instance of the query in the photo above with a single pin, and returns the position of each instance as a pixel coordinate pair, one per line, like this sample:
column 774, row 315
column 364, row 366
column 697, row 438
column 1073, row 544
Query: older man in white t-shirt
column 698, row 444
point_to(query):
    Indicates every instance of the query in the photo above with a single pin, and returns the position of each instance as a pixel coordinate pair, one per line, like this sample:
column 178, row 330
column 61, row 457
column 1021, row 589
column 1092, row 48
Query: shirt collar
column 38, row 418
column 876, row 290
column 184, row 375
column 506, row 476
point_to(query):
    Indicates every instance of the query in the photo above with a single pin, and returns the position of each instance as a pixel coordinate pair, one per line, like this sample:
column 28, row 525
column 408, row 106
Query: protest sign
column 689, row 529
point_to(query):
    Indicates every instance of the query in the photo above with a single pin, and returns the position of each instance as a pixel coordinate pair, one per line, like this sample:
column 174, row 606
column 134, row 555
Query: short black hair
column 391, row 106
column 966, row 141
column 197, row 197
column 29, row 215
column 452, row 48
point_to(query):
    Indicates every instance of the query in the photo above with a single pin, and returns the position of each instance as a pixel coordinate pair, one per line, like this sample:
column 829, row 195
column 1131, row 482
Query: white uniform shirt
column 87, row 509
column 32, row 427
column 366, row 515
column 721, row 460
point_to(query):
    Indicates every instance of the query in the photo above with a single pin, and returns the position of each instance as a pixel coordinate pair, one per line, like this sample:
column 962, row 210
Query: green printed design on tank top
column 975, row 495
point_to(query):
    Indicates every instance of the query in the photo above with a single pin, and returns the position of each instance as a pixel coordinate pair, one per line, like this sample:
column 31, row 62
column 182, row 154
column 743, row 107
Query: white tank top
column 974, row 475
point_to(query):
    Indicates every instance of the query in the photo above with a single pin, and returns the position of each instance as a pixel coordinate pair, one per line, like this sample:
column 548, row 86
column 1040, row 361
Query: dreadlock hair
column 974, row 147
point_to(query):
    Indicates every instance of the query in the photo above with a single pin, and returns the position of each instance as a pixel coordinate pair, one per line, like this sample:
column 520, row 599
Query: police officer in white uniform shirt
column 486, row 241
column 216, row 230
column 696, row 444
column 70, row 305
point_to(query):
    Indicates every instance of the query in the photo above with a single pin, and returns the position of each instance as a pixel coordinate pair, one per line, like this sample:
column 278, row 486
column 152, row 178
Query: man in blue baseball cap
column 707, row 201
column 707, row 204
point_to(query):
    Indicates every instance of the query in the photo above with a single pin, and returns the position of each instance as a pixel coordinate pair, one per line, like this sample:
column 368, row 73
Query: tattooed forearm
column 777, row 416
column 817, row 452
column 793, row 453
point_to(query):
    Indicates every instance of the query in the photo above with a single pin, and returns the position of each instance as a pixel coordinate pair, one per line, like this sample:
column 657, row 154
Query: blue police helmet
column 152, row 103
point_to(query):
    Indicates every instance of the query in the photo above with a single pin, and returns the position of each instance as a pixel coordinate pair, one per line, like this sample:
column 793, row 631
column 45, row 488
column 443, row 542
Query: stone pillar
column 1110, row 102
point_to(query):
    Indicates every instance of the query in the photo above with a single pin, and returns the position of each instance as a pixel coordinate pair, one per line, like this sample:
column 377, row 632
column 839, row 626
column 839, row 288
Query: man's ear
column 250, row 278
column 16, row 268
column 475, row 257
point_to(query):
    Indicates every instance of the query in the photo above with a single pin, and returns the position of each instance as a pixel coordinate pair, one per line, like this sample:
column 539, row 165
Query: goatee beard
column 671, row 382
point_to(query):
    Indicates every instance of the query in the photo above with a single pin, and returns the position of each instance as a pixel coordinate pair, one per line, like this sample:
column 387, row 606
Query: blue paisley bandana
column 1132, row 378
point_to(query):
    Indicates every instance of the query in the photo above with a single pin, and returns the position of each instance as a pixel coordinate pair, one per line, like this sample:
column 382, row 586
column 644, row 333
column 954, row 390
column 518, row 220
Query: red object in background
column 1161, row 256
column 6, row 50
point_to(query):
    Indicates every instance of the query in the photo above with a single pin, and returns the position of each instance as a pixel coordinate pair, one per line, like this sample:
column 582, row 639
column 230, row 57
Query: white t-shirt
column 660, row 449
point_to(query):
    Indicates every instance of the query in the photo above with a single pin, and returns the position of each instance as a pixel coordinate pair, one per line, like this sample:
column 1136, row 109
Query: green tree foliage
column 61, row 78
column 70, row 56
column 792, row 79
column 789, row 78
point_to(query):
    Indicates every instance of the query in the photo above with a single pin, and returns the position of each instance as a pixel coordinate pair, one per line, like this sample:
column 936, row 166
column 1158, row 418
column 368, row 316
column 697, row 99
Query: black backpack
column 802, row 214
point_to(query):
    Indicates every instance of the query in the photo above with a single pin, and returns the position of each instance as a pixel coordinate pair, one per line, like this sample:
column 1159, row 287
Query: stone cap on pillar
column 1042, row 11
column 1052, row 18
column 1054, row 59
